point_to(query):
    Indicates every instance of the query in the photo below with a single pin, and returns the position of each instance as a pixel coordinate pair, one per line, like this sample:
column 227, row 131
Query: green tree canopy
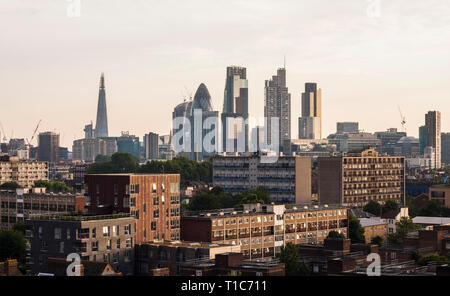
column 431, row 209
column 335, row 234
column 373, row 208
column 377, row 240
column 12, row 246
column 424, row 260
column 289, row 256
column 403, row 227
column 356, row 231
column 102, row 158
column 52, row 186
column 10, row 185
column 390, row 205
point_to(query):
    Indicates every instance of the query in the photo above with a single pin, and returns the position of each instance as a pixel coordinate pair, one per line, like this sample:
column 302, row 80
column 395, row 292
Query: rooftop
column 79, row 218
column 366, row 222
column 431, row 220
column 187, row 244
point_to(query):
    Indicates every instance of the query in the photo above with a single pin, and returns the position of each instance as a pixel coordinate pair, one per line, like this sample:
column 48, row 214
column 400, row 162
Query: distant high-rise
column 310, row 124
column 101, row 126
column 196, row 112
column 277, row 103
column 235, row 108
column 48, row 147
column 347, row 127
column 445, row 138
column 151, row 150
column 433, row 124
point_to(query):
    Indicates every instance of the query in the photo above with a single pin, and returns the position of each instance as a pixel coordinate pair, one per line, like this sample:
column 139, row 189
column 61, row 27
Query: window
column 156, row 213
column 118, row 243
column 129, row 243
column 61, row 247
column 153, row 226
column 40, row 231
column 106, row 231
column 94, row 232
column 127, row 229
column 94, row 246
column 57, row 233
column 108, row 244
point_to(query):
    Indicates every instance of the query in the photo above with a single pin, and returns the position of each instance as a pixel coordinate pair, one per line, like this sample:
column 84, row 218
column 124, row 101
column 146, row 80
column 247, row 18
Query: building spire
column 102, row 81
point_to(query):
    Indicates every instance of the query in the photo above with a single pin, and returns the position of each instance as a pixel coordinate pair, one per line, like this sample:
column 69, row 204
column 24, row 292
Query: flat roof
column 365, row 222
column 431, row 220
column 188, row 244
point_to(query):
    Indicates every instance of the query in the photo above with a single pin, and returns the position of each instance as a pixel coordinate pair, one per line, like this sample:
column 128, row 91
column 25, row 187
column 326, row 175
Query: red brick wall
column 196, row 230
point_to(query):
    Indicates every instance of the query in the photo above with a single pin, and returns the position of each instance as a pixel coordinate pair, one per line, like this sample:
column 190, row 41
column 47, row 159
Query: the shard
column 101, row 126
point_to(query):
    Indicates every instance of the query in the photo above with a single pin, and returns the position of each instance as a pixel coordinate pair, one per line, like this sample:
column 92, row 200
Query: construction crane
column 3, row 132
column 403, row 119
column 34, row 134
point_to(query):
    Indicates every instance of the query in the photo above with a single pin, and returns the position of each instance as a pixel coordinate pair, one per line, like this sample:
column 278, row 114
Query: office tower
column 152, row 199
column 347, row 127
column 445, row 138
column 433, row 124
column 407, row 146
column 288, row 180
column 423, row 139
column 88, row 149
column 277, row 104
column 151, row 149
column 354, row 142
column 261, row 230
column 48, row 147
column 235, row 110
column 127, row 143
column 310, row 124
column 195, row 112
column 355, row 179
column 389, row 140
column 101, row 126
column 89, row 131
column 25, row 173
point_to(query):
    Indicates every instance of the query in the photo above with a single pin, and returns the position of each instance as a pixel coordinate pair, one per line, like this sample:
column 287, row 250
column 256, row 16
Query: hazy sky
column 150, row 51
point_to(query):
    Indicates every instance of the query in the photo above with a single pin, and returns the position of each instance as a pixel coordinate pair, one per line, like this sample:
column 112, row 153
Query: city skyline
column 396, row 59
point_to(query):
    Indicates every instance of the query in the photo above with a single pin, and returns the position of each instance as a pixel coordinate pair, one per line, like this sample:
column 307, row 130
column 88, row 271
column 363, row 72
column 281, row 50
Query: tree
column 102, row 158
column 335, row 234
column 373, row 208
column 20, row 227
column 377, row 240
column 124, row 162
column 10, row 185
column 356, row 231
column 51, row 186
column 424, row 260
column 412, row 208
column 289, row 256
column 390, row 205
column 12, row 246
column 432, row 209
column 404, row 226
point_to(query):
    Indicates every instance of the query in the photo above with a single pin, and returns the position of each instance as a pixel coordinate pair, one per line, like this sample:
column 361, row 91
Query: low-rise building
column 173, row 254
column 20, row 204
column 233, row 264
column 374, row 227
column 261, row 230
column 107, row 239
column 441, row 193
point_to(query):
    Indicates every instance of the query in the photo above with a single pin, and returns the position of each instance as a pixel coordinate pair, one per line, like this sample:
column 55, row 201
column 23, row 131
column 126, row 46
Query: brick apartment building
column 288, row 180
column 107, row 239
column 24, row 172
column 261, row 230
column 354, row 180
column 19, row 204
column 153, row 199
column 233, row 264
column 440, row 193
column 174, row 254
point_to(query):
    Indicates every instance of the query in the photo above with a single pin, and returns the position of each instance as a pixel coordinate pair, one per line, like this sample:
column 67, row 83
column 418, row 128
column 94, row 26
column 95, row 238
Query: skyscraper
column 433, row 124
column 101, row 126
column 235, row 108
column 151, row 149
column 48, row 147
column 310, row 124
column 195, row 113
column 277, row 103
column 445, row 138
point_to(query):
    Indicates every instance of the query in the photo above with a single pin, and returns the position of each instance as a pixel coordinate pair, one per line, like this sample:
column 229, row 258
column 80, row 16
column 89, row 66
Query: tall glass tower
column 101, row 126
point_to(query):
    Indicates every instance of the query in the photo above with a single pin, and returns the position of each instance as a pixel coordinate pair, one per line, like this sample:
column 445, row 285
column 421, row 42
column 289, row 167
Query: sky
column 369, row 57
